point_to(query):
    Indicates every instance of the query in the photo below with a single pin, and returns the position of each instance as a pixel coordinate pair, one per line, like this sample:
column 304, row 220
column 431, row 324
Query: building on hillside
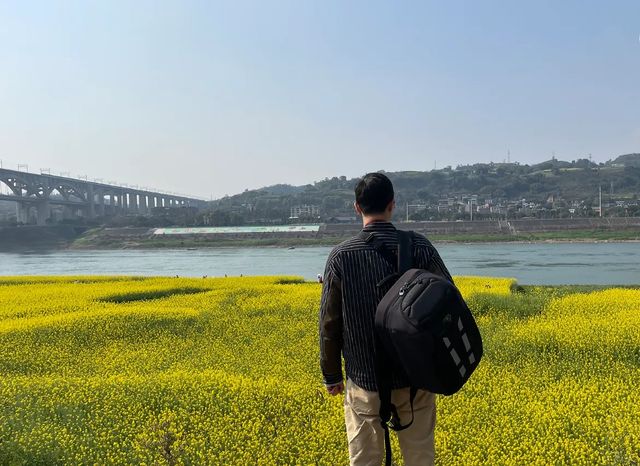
column 446, row 204
column 305, row 211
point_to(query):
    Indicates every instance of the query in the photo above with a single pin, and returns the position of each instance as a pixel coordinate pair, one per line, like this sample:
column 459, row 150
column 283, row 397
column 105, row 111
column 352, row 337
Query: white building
column 305, row 211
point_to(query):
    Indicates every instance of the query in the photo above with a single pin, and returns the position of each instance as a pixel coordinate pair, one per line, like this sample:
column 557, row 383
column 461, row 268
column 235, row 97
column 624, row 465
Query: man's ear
column 391, row 206
column 357, row 208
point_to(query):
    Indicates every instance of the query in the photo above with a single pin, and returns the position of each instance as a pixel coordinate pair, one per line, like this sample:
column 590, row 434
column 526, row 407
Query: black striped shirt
column 350, row 298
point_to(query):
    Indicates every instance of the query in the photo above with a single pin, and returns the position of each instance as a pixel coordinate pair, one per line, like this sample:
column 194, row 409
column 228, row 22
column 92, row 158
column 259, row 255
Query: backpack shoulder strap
column 379, row 246
column 389, row 418
column 405, row 251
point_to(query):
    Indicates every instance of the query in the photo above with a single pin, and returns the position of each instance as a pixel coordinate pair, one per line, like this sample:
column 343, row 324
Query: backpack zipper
column 407, row 286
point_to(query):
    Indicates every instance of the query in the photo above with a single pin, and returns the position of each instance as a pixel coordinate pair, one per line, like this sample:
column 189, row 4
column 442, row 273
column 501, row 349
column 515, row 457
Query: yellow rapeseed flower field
column 118, row 370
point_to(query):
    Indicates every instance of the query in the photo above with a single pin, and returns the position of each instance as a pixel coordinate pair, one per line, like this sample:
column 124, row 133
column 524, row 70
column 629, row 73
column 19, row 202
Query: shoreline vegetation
column 95, row 240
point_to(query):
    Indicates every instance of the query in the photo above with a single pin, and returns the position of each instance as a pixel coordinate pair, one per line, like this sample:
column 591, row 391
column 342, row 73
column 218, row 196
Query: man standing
column 350, row 296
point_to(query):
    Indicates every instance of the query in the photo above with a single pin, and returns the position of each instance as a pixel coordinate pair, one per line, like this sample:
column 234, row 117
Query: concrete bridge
column 79, row 197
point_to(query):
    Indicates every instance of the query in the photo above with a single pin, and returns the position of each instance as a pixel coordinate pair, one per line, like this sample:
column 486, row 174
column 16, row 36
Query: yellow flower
column 118, row 370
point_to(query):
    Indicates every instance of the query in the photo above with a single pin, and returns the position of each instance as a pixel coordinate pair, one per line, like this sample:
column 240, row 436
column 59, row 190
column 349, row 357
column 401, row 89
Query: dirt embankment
column 61, row 236
column 32, row 237
column 137, row 238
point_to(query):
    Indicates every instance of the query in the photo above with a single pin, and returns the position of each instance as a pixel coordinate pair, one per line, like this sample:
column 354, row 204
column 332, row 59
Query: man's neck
column 369, row 220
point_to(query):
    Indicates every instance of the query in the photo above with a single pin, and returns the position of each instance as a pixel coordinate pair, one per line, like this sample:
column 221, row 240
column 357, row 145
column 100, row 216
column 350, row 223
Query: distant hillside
column 281, row 189
column 629, row 160
column 565, row 183
column 482, row 191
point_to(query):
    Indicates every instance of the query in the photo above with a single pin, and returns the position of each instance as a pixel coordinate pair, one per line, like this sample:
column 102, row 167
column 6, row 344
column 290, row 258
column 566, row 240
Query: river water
column 540, row 263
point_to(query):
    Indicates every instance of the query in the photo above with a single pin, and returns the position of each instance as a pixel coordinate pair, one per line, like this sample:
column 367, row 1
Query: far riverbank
column 66, row 237
column 100, row 240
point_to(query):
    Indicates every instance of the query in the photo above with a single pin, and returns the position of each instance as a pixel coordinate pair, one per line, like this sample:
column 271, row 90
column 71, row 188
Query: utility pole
column 600, row 196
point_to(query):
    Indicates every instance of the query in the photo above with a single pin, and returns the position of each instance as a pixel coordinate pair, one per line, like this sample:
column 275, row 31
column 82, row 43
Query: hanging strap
column 390, row 420
column 405, row 251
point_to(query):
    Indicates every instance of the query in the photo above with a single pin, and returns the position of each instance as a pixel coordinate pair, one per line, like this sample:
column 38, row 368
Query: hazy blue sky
column 211, row 98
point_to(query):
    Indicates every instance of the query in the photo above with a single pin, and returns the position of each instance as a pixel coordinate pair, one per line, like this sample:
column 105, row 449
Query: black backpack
column 424, row 330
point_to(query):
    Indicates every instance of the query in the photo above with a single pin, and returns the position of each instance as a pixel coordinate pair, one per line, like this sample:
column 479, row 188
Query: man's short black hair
column 374, row 192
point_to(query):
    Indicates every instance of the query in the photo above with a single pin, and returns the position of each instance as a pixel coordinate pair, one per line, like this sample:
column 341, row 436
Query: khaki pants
column 366, row 435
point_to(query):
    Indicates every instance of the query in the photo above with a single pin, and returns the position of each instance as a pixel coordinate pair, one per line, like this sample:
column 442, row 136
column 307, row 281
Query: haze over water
column 551, row 264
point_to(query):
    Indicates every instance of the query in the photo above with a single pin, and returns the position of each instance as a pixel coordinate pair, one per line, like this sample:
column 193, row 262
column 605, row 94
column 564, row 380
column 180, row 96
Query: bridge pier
column 101, row 203
column 91, row 199
column 117, row 204
column 44, row 212
column 67, row 212
column 22, row 212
